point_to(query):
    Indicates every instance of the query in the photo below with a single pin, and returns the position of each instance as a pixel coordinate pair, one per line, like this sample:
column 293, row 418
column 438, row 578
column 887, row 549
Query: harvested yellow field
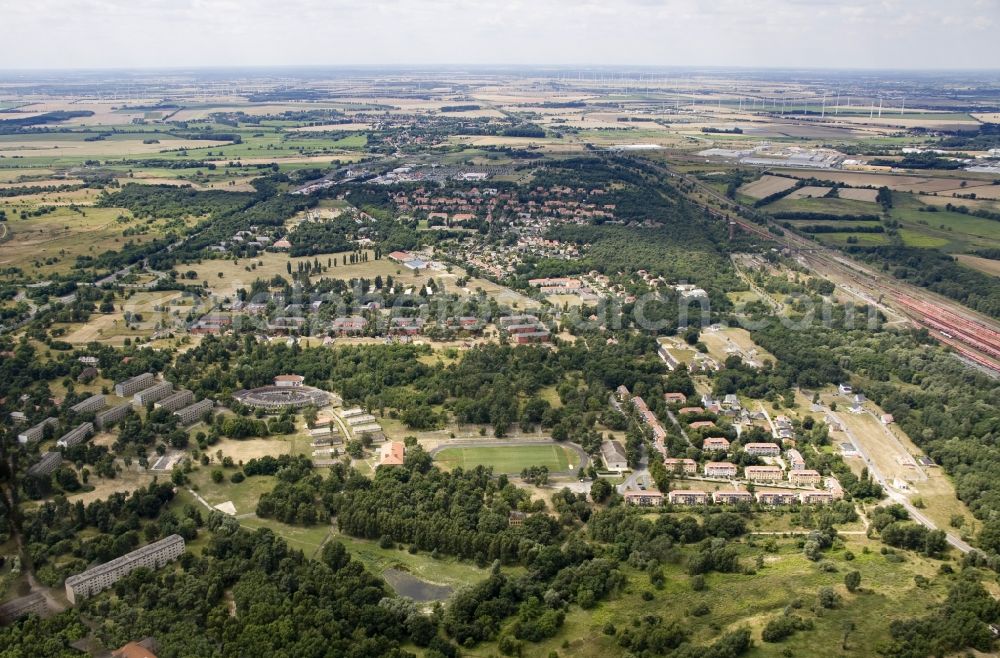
column 766, row 186
column 855, row 194
column 109, row 147
column 982, row 264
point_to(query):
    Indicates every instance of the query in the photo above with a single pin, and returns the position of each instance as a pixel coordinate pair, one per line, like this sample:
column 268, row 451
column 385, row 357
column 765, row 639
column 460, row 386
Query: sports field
column 509, row 459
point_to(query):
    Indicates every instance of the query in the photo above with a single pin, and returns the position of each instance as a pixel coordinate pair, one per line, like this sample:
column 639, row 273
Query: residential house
column 687, row 497
column 720, row 470
column 763, row 473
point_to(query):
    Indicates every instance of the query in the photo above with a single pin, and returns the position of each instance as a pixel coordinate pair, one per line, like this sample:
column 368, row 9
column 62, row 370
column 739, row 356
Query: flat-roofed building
column 715, row 444
column 643, row 498
column 35, row 433
column 134, row 384
column 46, row 466
column 682, row 464
column 111, row 416
column 193, row 412
column 176, row 401
column 78, row 434
column 686, row 497
column 352, row 412
column 93, row 403
column 720, row 470
column 763, row 473
column 32, row 604
column 154, row 393
column 613, row 455
column 804, row 476
column 99, row 578
column 731, row 497
column 762, row 449
column 777, row 497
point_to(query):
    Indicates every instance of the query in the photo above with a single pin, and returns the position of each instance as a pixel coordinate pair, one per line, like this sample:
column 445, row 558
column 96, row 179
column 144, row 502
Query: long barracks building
column 103, row 576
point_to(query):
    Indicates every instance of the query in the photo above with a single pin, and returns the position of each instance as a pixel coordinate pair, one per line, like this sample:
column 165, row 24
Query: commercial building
column 176, row 401
column 154, row 393
column 720, row 470
column 134, row 384
column 685, row 497
column 35, row 433
column 113, row 415
column 613, row 454
column 193, row 413
column 103, row 576
column 763, row 473
column 76, row 435
column 93, row 403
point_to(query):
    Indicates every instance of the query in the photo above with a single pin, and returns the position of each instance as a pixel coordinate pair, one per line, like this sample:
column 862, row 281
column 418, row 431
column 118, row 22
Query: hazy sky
column 773, row 33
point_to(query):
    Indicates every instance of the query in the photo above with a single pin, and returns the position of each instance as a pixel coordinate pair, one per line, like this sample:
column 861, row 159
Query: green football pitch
column 509, row 459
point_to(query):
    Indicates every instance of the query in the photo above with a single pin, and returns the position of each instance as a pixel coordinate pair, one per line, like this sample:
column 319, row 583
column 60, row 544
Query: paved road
column 640, row 474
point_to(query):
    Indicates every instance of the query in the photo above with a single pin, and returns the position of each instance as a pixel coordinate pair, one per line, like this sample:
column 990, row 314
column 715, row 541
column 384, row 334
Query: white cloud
column 811, row 33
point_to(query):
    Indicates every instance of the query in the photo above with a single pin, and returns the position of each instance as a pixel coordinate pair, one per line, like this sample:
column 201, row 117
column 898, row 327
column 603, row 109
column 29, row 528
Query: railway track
column 971, row 335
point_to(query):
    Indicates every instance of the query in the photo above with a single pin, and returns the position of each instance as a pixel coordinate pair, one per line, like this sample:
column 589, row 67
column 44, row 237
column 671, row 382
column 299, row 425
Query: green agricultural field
column 510, row 459
column 863, row 239
column 953, row 231
column 824, row 205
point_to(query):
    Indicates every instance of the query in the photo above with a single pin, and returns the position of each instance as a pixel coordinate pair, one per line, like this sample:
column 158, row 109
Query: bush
column 779, row 628
column 698, row 583
column 852, row 580
column 237, row 477
column 828, row 597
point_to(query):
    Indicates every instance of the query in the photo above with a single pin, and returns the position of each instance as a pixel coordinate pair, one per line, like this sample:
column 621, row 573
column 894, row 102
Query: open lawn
column 504, row 459
column 888, row 592
column 445, row 571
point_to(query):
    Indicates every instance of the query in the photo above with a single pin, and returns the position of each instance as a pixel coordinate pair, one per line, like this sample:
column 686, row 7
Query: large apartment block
column 721, row 470
column 103, row 576
column 732, row 497
column 805, row 476
column 763, row 473
column 134, row 384
column 686, row 497
column 32, row 604
column 35, row 433
column 46, row 466
column 78, row 434
column 762, row 449
column 113, row 415
column 93, row 403
column 154, row 393
column 176, row 401
column 680, row 464
column 777, row 497
column 193, row 413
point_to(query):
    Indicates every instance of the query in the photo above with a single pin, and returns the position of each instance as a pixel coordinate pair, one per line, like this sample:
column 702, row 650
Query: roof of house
column 133, row 650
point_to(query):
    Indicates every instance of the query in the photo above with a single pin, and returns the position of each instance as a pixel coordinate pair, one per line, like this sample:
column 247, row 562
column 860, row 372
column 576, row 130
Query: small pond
column 406, row 584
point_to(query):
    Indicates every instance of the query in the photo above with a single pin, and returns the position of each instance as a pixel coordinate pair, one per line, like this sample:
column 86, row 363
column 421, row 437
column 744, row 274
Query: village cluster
column 782, row 479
